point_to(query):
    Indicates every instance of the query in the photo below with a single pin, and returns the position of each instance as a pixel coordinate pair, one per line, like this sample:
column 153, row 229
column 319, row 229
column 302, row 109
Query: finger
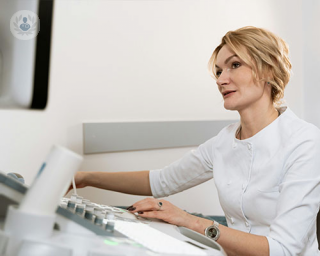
column 133, row 207
column 68, row 190
column 152, row 214
column 145, row 205
column 142, row 208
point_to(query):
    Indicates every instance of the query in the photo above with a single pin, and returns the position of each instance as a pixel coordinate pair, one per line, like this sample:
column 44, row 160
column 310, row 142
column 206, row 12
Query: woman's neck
column 254, row 120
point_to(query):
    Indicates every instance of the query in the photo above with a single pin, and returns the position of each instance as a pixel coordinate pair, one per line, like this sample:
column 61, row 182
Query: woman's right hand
column 80, row 181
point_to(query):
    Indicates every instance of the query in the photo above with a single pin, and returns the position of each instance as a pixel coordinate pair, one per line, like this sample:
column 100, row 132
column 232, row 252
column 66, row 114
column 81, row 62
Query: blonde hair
column 266, row 54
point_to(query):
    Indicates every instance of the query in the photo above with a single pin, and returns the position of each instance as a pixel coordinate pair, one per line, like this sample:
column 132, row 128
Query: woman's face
column 236, row 82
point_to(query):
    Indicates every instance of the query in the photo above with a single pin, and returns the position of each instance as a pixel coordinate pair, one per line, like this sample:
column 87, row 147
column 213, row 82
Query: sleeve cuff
column 155, row 184
column 275, row 248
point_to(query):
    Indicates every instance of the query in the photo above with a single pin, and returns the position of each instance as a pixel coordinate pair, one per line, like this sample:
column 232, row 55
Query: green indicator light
column 109, row 242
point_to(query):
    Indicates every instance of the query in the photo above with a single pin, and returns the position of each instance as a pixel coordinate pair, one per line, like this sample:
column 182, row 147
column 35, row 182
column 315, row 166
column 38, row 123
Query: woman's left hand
column 161, row 209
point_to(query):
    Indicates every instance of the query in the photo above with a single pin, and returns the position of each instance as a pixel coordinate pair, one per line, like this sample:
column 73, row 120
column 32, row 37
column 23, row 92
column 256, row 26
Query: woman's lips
column 228, row 94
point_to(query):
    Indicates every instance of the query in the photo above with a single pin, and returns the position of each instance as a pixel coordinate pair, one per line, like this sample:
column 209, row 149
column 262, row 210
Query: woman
column 266, row 167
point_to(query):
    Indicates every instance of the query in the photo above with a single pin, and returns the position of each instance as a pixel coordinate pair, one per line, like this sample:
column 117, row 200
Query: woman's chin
column 229, row 107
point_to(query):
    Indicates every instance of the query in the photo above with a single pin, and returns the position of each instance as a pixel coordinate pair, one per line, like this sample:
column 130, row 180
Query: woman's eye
column 218, row 73
column 236, row 64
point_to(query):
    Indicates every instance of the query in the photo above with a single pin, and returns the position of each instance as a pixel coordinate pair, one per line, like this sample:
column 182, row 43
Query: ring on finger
column 160, row 205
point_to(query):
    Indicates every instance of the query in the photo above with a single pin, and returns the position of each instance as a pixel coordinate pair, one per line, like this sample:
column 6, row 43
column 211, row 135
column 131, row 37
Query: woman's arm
column 192, row 169
column 135, row 183
column 234, row 242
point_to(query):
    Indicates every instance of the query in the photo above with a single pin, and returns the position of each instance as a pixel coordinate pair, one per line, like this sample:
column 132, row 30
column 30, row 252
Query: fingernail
column 131, row 209
column 140, row 212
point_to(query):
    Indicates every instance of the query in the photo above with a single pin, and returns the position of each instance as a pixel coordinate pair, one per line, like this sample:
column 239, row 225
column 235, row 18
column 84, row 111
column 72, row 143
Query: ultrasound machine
column 80, row 227
column 37, row 220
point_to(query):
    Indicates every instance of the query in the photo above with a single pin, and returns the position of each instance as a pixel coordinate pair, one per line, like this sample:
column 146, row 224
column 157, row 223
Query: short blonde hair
column 266, row 54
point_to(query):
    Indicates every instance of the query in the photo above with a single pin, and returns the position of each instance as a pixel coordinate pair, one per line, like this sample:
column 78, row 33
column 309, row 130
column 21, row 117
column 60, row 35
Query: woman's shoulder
column 229, row 130
column 227, row 133
column 291, row 125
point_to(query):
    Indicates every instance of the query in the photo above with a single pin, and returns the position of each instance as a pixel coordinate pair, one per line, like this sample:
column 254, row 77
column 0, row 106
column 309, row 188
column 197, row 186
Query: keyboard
column 95, row 212
column 82, row 229
column 134, row 227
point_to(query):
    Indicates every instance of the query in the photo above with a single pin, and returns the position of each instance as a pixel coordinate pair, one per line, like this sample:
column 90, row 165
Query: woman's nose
column 224, row 77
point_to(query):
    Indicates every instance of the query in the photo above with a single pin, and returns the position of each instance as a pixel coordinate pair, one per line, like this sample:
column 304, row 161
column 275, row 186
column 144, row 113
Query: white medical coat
column 268, row 184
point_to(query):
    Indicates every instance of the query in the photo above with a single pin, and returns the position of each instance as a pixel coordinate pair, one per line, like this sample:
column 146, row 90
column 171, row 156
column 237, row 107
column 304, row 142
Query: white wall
column 137, row 61
column 311, row 40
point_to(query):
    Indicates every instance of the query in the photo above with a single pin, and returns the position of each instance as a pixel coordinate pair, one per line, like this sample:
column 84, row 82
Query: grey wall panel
column 113, row 137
